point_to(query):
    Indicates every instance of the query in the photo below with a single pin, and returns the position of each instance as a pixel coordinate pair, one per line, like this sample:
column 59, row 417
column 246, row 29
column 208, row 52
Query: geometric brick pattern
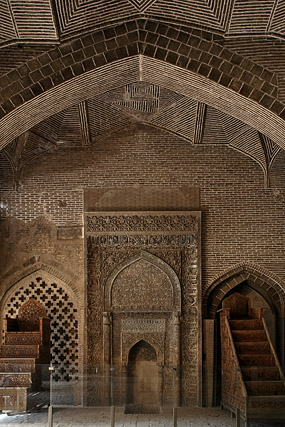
column 225, row 16
column 64, row 323
column 277, row 19
column 27, row 20
column 193, row 51
column 7, row 27
column 141, row 5
column 268, row 52
column 30, row 20
column 156, row 106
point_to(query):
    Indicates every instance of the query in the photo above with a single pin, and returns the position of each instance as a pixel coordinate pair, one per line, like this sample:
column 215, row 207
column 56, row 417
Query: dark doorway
column 257, row 299
column 142, row 384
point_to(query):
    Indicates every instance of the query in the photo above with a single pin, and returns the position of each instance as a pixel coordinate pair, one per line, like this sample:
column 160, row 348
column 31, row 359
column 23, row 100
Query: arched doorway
column 258, row 298
column 142, row 388
column 61, row 307
column 263, row 289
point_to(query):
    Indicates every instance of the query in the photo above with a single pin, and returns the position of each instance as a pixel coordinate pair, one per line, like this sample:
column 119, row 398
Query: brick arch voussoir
column 229, row 280
column 207, row 63
column 38, row 268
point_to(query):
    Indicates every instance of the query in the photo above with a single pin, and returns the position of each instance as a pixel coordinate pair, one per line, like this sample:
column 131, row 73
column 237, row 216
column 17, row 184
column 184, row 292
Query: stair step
column 253, row 347
column 265, row 388
column 249, row 335
column 260, row 373
column 252, row 359
column 267, row 406
column 13, row 398
column 22, row 338
column 15, row 379
column 17, row 365
column 248, row 324
column 20, row 351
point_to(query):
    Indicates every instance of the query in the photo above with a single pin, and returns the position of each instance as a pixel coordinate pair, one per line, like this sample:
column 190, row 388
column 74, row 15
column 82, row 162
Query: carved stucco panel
column 180, row 250
column 142, row 286
column 150, row 222
column 190, row 341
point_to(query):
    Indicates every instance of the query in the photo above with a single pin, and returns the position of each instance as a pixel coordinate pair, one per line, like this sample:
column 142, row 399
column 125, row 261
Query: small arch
column 39, row 268
column 157, row 263
column 143, row 379
column 260, row 280
column 252, row 279
column 151, row 341
column 142, row 351
column 66, row 333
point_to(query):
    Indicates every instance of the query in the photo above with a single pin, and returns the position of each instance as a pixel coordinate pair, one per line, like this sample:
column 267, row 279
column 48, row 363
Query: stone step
column 268, row 406
column 20, row 351
column 253, row 347
column 248, row 324
column 251, row 359
column 13, row 399
column 22, row 338
column 15, row 379
column 17, row 365
column 21, row 399
column 265, row 388
column 249, row 335
column 261, row 373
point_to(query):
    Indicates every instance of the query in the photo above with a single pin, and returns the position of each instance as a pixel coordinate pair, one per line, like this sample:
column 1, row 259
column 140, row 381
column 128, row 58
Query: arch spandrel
column 160, row 279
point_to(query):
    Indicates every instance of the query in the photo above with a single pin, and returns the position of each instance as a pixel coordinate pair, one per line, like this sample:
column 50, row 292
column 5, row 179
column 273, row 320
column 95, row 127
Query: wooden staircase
column 24, row 356
column 251, row 370
column 257, row 362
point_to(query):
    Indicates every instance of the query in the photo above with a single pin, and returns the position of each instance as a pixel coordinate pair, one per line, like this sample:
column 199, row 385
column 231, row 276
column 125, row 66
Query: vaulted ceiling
column 51, row 20
column 252, row 28
column 85, row 123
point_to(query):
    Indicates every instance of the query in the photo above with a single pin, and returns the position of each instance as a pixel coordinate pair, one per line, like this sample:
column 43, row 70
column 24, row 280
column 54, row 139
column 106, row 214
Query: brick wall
column 242, row 221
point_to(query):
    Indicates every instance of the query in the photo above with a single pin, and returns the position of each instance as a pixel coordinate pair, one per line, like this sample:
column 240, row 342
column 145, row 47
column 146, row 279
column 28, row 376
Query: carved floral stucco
column 142, row 268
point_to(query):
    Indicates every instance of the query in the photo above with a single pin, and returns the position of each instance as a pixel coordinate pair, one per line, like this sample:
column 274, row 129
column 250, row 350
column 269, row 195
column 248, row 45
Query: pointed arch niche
column 142, row 312
column 139, row 264
column 61, row 305
column 263, row 290
column 143, row 379
column 143, row 282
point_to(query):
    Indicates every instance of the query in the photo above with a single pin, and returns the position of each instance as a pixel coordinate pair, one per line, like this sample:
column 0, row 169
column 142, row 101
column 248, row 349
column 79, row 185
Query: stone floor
column 100, row 417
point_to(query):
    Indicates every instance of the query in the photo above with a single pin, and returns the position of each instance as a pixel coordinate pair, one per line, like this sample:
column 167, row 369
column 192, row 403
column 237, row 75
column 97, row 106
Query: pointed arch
column 187, row 81
column 150, row 341
column 51, row 272
column 261, row 280
column 154, row 261
column 62, row 307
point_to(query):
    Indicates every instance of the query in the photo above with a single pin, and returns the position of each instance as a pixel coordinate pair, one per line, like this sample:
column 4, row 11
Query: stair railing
column 234, row 393
column 277, row 363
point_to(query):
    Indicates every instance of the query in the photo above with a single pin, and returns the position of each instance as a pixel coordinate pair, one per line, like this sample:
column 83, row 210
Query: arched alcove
column 143, row 282
column 142, row 384
column 61, row 307
column 262, row 291
column 262, row 281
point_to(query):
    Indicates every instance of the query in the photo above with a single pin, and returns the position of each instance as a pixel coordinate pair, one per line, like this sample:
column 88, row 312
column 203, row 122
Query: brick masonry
column 242, row 222
column 238, row 226
column 192, row 50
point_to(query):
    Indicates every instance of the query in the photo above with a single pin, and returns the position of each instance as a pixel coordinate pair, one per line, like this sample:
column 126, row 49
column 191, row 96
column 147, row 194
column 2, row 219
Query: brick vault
column 142, row 182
